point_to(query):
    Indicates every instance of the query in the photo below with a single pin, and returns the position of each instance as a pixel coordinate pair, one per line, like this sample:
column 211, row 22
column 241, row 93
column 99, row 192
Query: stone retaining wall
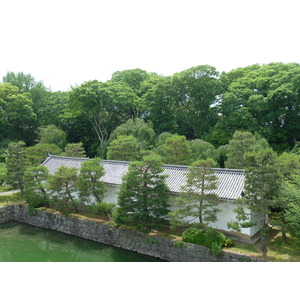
column 159, row 247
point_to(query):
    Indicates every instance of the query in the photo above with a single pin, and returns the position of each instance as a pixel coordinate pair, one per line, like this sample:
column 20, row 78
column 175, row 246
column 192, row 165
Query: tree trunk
column 263, row 236
column 264, row 248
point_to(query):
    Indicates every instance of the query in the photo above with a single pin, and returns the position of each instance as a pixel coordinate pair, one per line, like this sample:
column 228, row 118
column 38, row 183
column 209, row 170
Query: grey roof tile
column 230, row 181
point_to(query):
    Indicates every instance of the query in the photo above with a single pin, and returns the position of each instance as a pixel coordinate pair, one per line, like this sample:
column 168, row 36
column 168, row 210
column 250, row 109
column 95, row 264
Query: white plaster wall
column 111, row 196
column 225, row 215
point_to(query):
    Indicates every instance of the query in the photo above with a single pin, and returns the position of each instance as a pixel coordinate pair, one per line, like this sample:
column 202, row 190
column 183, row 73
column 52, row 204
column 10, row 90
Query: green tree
column 291, row 212
column 286, row 213
column 26, row 83
column 3, row 147
column 159, row 106
column 3, row 173
column 264, row 99
column 123, row 148
column 75, row 150
column 38, row 153
column 241, row 143
column 17, row 118
column 53, row 109
column 89, row 181
column 16, row 163
column 63, row 189
column 141, row 130
column 143, row 196
column 104, row 105
column 133, row 78
column 53, row 135
column 198, row 200
column 202, row 150
column 176, row 150
column 197, row 91
column 35, row 181
column 261, row 192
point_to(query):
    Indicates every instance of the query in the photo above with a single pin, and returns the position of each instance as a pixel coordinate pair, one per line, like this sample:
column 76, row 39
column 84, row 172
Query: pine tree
column 123, row 148
column 143, row 196
column 198, row 200
column 242, row 142
column 176, row 150
column 63, row 187
column 35, row 181
column 16, row 163
column 89, row 183
column 262, row 185
column 75, row 150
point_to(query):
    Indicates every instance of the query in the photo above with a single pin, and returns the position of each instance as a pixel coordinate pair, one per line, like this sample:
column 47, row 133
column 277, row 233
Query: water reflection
column 22, row 242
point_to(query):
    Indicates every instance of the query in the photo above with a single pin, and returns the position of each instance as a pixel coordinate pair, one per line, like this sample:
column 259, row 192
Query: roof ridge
column 221, row 170
column 116, row 161
column 67, row 157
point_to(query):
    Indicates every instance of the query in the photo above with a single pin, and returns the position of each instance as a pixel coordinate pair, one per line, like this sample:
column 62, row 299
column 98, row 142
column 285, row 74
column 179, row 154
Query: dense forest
column 247, row 118
column 199, row 104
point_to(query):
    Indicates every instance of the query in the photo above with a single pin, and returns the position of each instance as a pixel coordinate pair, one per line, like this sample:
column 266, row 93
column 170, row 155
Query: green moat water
column 25, row 243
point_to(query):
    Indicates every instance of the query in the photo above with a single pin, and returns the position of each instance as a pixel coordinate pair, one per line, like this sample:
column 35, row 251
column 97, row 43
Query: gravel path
column 9, row 192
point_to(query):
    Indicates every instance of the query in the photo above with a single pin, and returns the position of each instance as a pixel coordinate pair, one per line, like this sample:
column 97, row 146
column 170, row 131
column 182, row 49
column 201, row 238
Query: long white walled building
column 230, row 186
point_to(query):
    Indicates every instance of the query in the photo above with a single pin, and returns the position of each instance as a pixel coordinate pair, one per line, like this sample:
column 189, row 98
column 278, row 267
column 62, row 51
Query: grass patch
column 5, row 188
column 285, row 251
column 278, row 249
column 14, row 198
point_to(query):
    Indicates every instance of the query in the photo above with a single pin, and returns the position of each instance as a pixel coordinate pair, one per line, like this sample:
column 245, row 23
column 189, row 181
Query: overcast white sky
column 67, row 42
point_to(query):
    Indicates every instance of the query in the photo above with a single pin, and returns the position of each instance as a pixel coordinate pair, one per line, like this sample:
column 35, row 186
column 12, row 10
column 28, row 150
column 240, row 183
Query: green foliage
column 132, row 78
column 197, row 200
column 3, row 147
column 176, row 150
column 74, row 150
column 37, row 91
column 102, row 208
column 263, row 99
column 63, row 188
column 53, row 135
column 196, row 91
column 37, row 154
column 228, row 243
column 123, row 148
column 262, row 187
column 31, row 210
column 141, row 130
column 150, row 241
column 179, row 244
column 207, row 237
column 288, row 218
column 17, row 118
column 16, row 163
column 3, row 173
column 89, row 181
column 35, row 181
column 241, row 143
column 143, row 198
column 159, row 105
column 201, row 150
column 104, row 105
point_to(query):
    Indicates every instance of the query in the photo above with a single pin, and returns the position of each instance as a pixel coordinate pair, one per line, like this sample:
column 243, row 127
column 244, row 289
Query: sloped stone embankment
column 159, row 247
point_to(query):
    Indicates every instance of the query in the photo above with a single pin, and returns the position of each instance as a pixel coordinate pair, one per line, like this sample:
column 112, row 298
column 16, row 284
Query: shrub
column 228, row 243
column 179, row 244
column 101, row 208
column 207, row 237
column 194, row 236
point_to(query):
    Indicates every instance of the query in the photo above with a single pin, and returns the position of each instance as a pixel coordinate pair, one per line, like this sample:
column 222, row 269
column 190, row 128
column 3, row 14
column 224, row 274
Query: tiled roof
column 230, row 181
